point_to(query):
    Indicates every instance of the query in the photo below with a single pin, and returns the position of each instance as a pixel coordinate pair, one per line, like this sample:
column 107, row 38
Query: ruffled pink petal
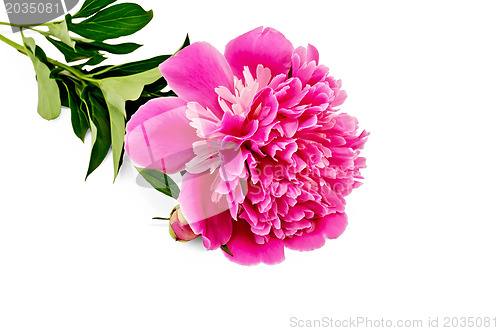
column 312, row 54
column 307, row 55
column 159, row 135
column 260, row 46
column 195, row 72
column 215, row 230
column 198, row 199
column 330, row 226
column 247, row 252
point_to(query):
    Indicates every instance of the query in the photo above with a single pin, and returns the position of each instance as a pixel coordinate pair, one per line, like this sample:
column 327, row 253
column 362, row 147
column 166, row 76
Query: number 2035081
column 33, row 8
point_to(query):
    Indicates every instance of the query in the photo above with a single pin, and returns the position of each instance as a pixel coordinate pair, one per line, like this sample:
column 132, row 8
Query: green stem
column 103, row 71
column 21, row 49
column 30, row 27
column 54, row 62
column 75, row 72
column 13, row 44
column 43, row 33
column 25, row 25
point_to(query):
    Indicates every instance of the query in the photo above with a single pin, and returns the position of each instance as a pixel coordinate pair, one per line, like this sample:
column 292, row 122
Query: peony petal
column 195, row 72
column 260, row 46
column 216, row 230
column 153, row 108
column 305, row 56
column 247, row 252
column 331, row 226
column 312, row 54
column 159, row 135
column 207, row 157
column 202, row 119
column 196, row 198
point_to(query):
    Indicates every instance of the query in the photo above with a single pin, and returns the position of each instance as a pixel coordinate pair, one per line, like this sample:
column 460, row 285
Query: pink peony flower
column 269, row 159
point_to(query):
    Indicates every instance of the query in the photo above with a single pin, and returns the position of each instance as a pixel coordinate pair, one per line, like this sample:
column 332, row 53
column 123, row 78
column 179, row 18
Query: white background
column 423, row 234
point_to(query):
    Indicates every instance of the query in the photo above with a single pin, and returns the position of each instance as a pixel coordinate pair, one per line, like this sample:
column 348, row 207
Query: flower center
column 244, row 90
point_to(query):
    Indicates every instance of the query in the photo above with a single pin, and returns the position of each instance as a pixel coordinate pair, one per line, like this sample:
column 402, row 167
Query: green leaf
column 49, row 102
column 73, row 54
column 113, row 22
column 98, row 58
column 79, row 119
column 157, row 86
column 155, row 90
column 40, row 54
column 129, row 68
column 60, row 31
column 90, row 7
column 185, row 44
column 116, row 91
column 124, row 48
column 115, row 104
column 160, row 181
column 86, row 106
column 99, row 126
column 149, row 92
column 226, row 249
column 63, row 92
column 54, row 73
column 130, row 87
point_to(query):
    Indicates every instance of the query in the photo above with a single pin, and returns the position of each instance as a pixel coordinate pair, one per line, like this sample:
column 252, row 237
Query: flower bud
column 179, row 227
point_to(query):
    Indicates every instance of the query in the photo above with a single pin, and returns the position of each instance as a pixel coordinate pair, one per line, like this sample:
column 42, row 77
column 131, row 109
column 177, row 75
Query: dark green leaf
column 226, row 249
column 40, row 54
column 90, row 7
column 124, row 48
column 131, row 68
column 155, row 90
column 131, row 107
column 79, row 119
column 160, row 181
column 54, row 73
column 113, row 22
column 98, row 58
column 186, row 43
column 121, row 157
column 94, row 100
column 159, row 94
column 63, row 93
column 149, row 92
column 70, row 54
